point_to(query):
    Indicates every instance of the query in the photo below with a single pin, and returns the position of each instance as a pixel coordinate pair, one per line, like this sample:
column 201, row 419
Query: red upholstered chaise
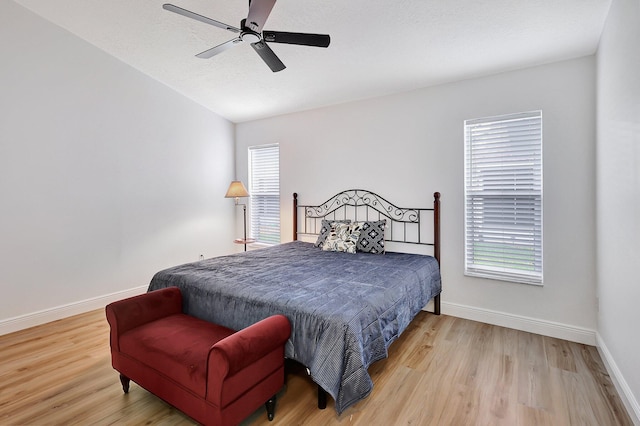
column 211, row 373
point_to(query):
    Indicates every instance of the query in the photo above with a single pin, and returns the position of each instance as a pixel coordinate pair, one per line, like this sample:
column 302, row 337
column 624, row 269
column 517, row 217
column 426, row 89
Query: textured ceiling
column 377, row 47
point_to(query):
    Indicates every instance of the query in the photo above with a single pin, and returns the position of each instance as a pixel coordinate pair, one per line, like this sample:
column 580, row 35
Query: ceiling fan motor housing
column 248, row 34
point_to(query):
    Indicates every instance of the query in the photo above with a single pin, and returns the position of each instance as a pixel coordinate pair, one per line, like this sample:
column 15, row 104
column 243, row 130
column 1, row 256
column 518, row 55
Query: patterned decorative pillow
column 325, row 229
column 371, row 237
column 343, row 237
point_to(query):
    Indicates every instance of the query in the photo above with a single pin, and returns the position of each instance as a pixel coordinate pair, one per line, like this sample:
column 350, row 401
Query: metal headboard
column 406, row 224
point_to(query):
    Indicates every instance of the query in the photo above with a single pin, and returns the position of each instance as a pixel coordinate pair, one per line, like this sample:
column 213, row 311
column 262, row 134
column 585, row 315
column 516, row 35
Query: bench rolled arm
column 248, row 345
column 127, row 314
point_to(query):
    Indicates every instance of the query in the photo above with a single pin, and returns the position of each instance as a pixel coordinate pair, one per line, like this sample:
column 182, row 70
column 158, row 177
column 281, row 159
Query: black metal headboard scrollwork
column 406, row 225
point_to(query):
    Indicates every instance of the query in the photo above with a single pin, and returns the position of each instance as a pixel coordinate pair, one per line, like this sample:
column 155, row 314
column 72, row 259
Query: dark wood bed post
column 436, row 226
column 436, row 243
column 295, row 216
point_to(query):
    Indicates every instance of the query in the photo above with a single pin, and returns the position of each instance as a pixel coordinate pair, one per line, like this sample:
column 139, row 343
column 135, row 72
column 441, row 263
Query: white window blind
column 264, row 190
column 503, row 197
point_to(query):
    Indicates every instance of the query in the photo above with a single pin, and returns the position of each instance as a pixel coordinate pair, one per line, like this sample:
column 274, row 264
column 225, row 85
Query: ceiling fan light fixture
column 250, row 36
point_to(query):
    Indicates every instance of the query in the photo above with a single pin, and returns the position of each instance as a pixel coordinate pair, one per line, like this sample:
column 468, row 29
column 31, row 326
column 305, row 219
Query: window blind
column 264, row 190
column 503, row 197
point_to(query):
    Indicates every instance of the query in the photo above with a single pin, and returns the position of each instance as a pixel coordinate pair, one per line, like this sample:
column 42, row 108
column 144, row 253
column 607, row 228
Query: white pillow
column 343, row 237
column 326, row 229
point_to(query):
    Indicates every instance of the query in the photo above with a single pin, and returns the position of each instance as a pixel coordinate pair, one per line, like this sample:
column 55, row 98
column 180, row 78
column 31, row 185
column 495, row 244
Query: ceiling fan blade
column 219, row 48
column 318, row 40
column 268, row 56
column 259, row 11
column 193, row 15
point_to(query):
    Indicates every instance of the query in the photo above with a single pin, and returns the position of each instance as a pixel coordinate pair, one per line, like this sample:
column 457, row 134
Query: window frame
column 268, row 189
column 503, row 197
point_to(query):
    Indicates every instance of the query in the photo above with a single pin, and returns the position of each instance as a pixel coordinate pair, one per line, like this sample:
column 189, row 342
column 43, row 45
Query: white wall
column 106, row 176
column 407, row 146
column 618, row 206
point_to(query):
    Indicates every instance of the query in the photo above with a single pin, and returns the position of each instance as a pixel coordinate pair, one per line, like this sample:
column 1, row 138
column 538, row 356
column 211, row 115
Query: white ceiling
column 377, row 47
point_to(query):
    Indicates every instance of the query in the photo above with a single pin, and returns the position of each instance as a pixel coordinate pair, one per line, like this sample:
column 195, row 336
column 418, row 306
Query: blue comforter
column 345, row 309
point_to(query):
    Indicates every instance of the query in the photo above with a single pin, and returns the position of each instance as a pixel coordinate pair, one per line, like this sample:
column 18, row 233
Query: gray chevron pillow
column 371, row 238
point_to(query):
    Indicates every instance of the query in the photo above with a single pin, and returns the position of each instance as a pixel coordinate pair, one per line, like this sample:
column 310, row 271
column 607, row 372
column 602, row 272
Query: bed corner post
column 295, row 216
column 436, row 226
column 436, row 242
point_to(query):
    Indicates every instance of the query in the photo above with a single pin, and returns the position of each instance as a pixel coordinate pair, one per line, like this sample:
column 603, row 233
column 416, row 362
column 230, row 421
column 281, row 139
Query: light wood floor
column 442, row 371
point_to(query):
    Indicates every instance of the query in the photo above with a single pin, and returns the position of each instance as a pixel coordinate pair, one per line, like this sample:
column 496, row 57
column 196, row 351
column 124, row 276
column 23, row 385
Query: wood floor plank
column 533, row 372
column 607, row 407
column 441, row 371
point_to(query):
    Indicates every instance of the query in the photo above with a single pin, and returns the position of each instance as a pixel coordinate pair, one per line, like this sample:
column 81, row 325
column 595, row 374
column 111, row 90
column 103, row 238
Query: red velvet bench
column 213, row 374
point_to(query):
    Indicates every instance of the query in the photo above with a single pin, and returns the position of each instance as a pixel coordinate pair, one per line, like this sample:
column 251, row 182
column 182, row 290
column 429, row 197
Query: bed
column 345, row 308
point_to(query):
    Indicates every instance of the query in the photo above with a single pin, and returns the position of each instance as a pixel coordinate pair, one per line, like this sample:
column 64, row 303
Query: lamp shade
column 236, row 190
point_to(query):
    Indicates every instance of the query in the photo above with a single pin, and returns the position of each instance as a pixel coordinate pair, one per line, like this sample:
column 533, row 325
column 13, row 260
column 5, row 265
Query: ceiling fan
column 250, row 31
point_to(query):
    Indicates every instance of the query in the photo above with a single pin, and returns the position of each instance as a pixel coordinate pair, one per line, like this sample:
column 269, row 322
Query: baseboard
column 626, row 395
column 41, row 317
column 518, row 322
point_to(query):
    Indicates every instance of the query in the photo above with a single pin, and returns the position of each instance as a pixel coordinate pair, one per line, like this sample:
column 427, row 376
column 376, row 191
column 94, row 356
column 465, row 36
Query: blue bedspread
column 345, row 309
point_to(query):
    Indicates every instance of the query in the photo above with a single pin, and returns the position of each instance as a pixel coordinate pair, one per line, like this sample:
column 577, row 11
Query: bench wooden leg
column 125, row 383
column 271, row 407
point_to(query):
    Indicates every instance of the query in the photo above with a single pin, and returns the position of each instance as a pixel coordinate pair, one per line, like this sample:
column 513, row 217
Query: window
column 503, row 197
column 264, row 190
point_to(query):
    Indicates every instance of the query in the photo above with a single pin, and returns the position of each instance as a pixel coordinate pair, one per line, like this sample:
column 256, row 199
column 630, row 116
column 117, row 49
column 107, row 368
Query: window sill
column 508, row 278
